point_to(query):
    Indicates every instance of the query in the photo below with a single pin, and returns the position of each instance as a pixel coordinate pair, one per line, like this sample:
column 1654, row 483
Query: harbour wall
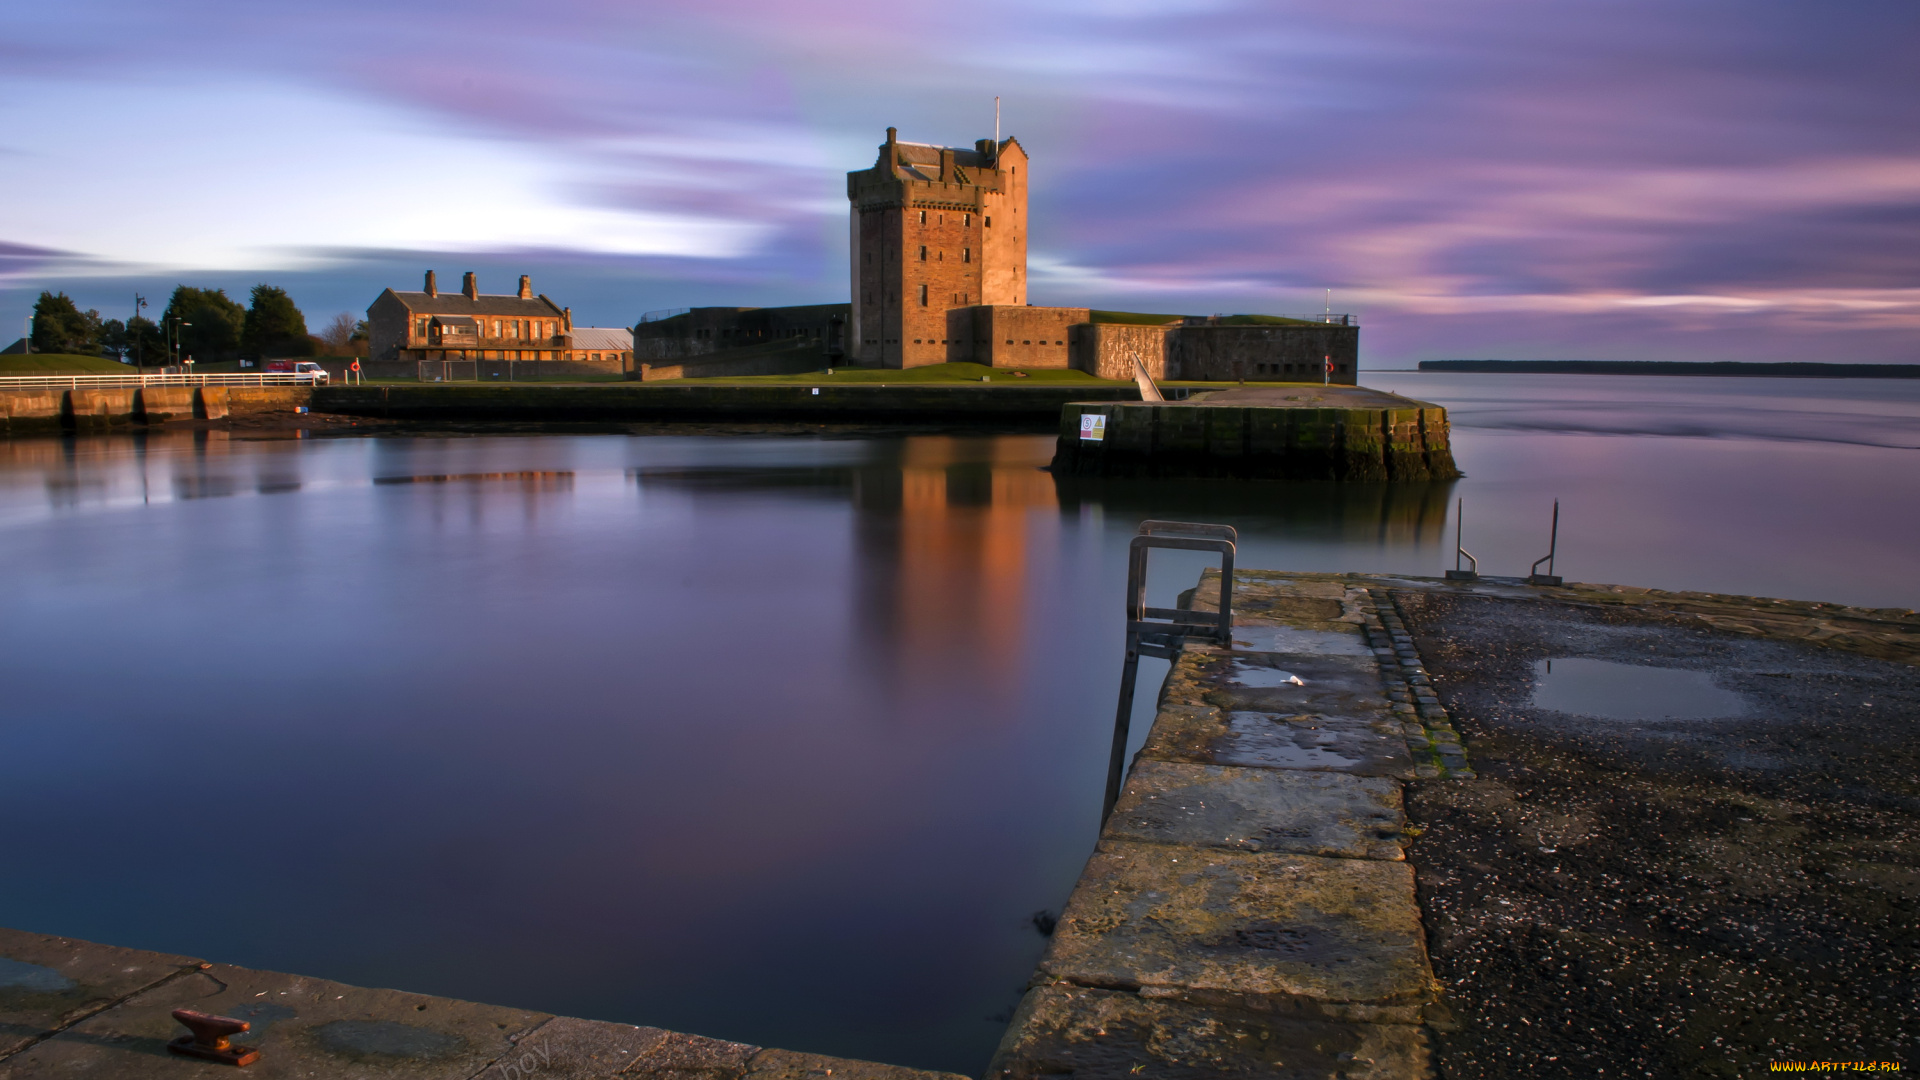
column 679, row 401
column 26, row 411
column 1256, row 442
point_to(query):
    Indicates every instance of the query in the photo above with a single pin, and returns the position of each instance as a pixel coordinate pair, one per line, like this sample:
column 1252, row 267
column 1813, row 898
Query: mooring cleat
column 209, row 1041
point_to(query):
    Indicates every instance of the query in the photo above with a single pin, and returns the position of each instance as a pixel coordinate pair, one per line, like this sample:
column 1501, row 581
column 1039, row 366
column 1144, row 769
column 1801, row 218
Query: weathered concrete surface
column 159, row 404
column 48, row 983
column 210, row 403
column 1275, row 810
column 73, row 1008
column 1066, row 1030
column 1339, row 938
column 94, row 408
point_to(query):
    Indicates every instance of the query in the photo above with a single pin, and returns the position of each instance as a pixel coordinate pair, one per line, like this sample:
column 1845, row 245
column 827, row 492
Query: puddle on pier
column 1608, row 691
column 1270, row 740
column 1260, row 676
column 1286, row 639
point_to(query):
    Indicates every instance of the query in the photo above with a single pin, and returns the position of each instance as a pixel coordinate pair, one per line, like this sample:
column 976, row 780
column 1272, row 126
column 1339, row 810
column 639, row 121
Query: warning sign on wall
column 1093, row 426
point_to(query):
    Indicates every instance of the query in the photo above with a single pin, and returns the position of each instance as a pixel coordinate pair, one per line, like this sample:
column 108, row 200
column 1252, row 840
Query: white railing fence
column 115, row 382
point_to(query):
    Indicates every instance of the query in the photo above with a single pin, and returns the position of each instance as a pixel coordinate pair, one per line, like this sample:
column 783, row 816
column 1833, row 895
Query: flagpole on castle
column 996, row 119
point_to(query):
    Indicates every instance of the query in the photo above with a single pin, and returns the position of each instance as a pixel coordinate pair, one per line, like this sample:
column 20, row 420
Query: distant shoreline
column 1789, row 370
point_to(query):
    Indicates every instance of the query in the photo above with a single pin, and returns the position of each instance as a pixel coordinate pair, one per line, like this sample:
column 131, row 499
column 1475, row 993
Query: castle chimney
column 470, row 285
column 526, row 286
column 432, row 289
column 946, row 165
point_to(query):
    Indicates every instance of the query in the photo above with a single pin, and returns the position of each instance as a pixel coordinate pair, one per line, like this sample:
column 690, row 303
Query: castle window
column 966, row 255
column 923, row 296
column 1026, row 343
column 916, row 341
column 966, row 221
column 923, row 253
column 1009, row 341
column 989, row 221
column 923, row 217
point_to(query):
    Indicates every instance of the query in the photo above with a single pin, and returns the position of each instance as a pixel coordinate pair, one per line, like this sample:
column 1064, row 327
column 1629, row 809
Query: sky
column 1510, row 179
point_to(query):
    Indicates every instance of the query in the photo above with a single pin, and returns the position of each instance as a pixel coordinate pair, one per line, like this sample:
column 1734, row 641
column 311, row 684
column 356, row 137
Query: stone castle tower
column 933, row 228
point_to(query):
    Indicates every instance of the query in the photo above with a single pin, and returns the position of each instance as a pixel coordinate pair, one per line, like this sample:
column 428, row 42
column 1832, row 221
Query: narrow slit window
column 923, row 296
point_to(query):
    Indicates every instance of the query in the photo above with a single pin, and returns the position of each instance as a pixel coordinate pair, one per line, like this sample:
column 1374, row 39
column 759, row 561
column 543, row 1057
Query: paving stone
column 1106, row 1035
column 48, row 982
column 303, row 1027
column 1333, row 937
column 1309, row 813
column 1249, row 636
column 1212, row 736
column 1333, row 685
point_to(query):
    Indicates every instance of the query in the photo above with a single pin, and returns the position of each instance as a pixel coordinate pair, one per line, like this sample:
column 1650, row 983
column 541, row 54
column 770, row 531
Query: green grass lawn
column 932, row 373
column 1135, row 318
column 62, row 364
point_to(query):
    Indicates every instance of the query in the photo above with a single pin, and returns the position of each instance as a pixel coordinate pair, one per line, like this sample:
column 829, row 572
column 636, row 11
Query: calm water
column 780, row 739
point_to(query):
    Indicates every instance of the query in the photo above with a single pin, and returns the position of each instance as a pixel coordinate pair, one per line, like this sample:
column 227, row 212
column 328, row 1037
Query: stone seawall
column 1402, row 440
column 30, row 411
column 855, row 403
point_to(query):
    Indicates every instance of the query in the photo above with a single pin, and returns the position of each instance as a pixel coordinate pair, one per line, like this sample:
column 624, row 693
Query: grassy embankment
column 62, row 364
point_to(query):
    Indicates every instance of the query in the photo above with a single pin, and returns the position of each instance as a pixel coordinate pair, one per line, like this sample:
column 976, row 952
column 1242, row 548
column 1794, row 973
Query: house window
column 923, row 296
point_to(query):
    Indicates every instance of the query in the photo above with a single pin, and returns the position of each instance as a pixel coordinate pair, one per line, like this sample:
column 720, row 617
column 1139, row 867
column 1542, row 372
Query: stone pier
column 1305, row 432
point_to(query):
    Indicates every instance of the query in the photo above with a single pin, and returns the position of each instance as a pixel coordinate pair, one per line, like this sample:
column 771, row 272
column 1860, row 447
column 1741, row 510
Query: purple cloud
column 1478, row 178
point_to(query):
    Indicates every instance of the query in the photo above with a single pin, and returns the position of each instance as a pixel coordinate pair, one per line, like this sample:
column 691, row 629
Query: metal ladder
column 1159, row 632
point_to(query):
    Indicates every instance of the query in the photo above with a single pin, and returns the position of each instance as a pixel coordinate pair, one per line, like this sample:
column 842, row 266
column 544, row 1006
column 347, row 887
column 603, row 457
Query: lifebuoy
column 355, row 366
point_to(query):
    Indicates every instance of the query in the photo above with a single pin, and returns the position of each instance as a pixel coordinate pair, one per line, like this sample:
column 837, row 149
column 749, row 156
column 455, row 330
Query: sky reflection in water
column 779, row 739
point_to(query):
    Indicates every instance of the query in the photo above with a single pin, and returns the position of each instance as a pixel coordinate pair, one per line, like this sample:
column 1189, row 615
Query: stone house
column 410, row 327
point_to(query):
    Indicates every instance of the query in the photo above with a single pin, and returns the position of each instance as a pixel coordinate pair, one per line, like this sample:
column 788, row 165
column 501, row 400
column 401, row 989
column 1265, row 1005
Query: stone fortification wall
column 1289, row 352
column 1108, row 350
column 1013, row 336
column 799, row 357
column 705, row 331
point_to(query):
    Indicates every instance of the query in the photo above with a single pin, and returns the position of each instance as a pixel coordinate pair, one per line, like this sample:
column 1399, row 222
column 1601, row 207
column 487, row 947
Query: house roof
column 614, row 338
column 456, row 303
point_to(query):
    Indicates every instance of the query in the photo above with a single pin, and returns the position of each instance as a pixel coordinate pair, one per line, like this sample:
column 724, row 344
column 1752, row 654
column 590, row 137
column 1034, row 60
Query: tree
column 113, row 339
column 274, row 326
column 337, row 335
column 216, row 324
column 145, row 341
column 60, row 327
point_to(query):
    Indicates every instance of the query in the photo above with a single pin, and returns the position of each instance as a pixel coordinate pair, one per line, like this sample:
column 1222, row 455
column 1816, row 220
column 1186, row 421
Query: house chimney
column 432, row 289
column 566, row 319
column 470, row 285
column 526, row 287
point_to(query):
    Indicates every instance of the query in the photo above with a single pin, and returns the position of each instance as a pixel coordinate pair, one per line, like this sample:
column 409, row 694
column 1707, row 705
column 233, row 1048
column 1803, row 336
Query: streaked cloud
column 1484, row 177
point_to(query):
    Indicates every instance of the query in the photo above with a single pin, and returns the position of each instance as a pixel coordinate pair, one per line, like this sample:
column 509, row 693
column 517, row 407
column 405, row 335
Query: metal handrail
column 1160, row 632
column 1459, row 524
column 1534, row 576
column 114, row 382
